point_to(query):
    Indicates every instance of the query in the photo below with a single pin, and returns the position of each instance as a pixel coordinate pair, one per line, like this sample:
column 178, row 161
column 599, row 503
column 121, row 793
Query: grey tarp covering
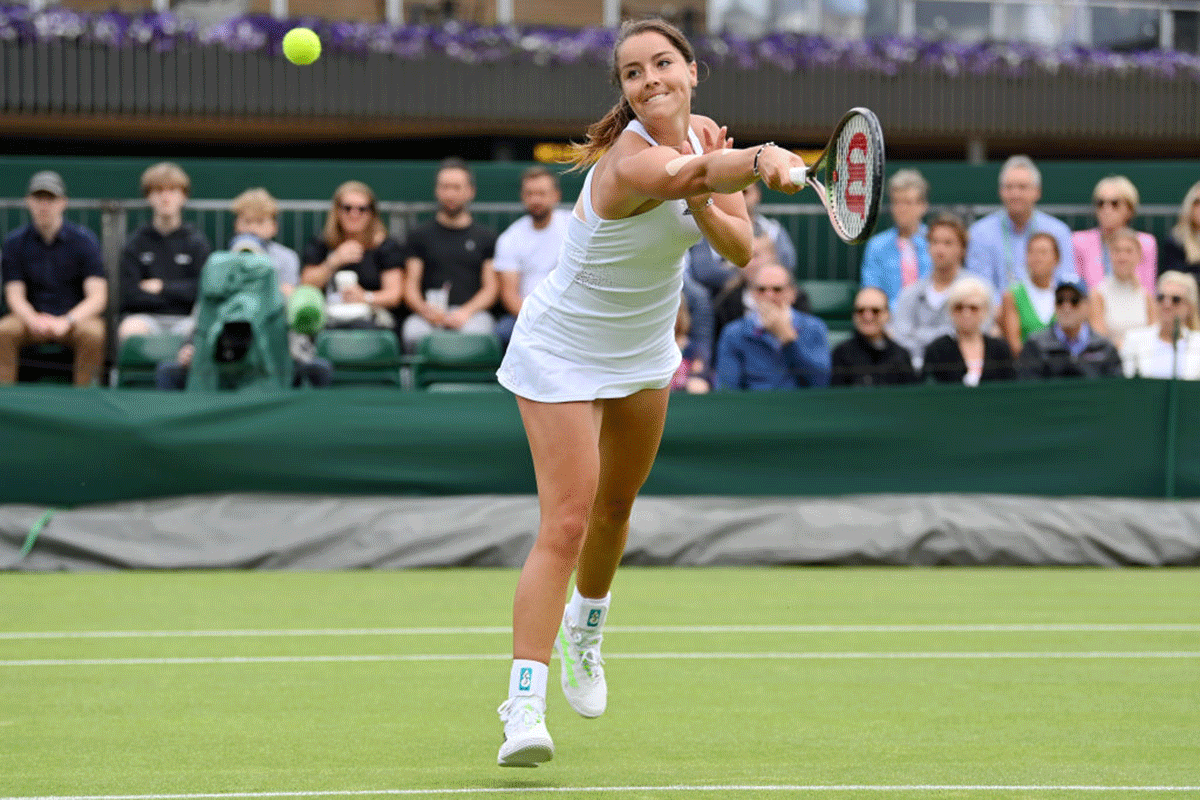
column 315, row 532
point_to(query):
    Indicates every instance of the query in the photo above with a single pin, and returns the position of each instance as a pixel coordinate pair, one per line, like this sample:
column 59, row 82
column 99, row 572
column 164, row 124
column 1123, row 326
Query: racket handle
column 798, row 175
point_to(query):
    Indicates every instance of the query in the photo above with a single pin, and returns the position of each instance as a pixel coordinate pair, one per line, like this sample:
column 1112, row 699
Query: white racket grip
column 798, row 175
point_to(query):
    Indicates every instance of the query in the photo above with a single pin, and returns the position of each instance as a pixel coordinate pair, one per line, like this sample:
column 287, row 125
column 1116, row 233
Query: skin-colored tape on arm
column 676, row 164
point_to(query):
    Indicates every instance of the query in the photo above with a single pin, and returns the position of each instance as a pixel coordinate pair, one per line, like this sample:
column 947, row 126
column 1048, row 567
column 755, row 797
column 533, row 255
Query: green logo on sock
column 593, row 618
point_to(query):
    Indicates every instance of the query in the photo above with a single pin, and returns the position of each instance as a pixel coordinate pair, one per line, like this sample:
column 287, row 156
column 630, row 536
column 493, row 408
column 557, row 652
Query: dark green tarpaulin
column 66, row 447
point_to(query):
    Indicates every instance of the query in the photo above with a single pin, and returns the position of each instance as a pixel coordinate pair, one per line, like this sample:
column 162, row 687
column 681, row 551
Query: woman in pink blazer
column 1116, row 200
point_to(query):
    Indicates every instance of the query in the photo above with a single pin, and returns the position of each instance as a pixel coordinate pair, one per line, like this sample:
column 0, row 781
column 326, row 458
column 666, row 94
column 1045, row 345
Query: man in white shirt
column 528, row 249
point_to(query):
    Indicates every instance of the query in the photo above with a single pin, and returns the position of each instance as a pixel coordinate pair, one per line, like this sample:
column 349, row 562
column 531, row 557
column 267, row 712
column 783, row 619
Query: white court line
column 393, row 657
column 654, row 629
column 915, row 788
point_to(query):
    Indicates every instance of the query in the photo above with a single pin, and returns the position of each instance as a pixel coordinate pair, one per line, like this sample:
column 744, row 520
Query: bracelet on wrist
column 758, row 154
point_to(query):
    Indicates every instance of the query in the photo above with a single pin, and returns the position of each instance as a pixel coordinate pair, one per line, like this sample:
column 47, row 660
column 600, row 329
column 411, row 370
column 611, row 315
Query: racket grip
column 798, row 174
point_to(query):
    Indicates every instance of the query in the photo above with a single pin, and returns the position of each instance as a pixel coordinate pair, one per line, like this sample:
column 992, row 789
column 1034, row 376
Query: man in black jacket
column 870, row 357
column 1069, row 348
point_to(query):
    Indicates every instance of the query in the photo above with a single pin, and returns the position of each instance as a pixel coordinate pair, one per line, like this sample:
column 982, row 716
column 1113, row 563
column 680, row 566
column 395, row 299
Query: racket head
column 849, row 175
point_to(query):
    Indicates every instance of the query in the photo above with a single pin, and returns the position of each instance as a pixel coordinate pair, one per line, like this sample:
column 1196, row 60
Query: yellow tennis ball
column 301, row 46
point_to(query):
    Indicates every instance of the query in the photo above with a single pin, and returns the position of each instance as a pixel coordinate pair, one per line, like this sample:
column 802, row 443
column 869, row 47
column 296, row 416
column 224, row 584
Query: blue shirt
column 749, row 357
column 53, row 272
column 996, row 252
column 1077, row 345
column 881, row 261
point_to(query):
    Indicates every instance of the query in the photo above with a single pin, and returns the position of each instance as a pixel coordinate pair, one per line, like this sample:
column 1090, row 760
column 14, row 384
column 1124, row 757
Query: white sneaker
column 582, row 668
column 526, row 740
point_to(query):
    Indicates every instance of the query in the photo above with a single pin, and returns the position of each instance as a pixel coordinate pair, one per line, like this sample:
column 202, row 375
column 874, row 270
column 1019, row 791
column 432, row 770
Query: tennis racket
column 848, row 175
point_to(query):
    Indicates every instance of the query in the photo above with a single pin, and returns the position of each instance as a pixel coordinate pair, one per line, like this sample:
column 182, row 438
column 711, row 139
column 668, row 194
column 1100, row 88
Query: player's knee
column 613, row 511
column 563, row 533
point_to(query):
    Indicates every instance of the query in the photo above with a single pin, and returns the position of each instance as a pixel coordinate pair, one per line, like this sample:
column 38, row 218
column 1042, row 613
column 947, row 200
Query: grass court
column 724, row 683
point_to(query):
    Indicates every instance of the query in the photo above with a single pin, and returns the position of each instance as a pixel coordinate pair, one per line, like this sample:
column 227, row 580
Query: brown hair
column 333, row 233
column 1049, row 238
column 165, row 175
column 951, row 221
column 602, row 134
column 538, row 171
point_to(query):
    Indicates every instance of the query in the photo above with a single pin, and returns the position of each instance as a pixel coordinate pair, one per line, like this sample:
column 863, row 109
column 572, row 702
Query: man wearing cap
column 54, row 284
column 1068, row 348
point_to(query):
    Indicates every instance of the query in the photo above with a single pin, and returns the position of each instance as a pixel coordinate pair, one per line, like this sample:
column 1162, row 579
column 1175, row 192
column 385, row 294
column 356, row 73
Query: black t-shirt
column 53, row 273
column 176, row 259
column 376, row 261
column 452, row 255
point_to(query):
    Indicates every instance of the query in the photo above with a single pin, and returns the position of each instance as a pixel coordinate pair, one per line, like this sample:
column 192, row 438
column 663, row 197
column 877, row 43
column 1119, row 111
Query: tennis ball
column 301, row 46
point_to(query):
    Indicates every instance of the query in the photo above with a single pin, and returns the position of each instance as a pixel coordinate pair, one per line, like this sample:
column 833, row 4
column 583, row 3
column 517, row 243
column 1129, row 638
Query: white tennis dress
column 602, row 323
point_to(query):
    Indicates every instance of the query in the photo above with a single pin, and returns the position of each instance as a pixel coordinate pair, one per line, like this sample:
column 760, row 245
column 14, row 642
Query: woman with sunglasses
column 1119, row 303
column 355, row 262
column 1116, row 201
column 969, row 356
column 1172, row 347
column 1181, row 246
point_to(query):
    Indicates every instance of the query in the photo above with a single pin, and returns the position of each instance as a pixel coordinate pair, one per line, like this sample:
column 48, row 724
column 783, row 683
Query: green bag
column 241, row 326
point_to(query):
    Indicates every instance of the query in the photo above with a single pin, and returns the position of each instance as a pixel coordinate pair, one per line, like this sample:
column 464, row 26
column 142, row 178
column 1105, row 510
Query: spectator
column 528, row 249
column 715, row 273
column 690, row 376
column 450, row 281
column 736, row 297
column 969, row 355
column 1068, row 348
column 256, row 214
column 899, row 256
column 54, row 284
column 996, row 252
column 870, row 357
column 354, row 261
column 1119, row 303
column 1181, row 246
column 1172, row 347
column 921, row 311
column 161, row 262
column 1028, row 305
column 773, row 346
column 1116, row 201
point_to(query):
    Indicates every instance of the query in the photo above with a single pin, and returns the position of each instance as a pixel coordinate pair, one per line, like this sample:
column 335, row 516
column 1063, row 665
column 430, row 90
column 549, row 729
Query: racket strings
column 853, row 186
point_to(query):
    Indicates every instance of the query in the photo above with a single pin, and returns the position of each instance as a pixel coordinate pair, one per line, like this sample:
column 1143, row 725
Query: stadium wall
column 1081, row 473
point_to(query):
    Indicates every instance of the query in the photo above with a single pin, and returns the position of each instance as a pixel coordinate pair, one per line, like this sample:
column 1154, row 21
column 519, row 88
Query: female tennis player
column 593, row 352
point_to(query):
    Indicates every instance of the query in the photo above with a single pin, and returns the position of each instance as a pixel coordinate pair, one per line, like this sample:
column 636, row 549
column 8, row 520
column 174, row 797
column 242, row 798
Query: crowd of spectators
column 1017, row 295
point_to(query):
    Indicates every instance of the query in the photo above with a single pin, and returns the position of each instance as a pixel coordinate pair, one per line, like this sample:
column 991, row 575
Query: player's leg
column 630, row 433
column 563, row 442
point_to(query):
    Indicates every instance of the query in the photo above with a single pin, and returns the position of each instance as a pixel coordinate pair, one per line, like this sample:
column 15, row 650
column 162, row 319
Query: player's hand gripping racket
column 848, row 176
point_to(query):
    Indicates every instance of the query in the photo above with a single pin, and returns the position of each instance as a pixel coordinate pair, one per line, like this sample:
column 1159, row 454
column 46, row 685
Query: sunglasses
column 765, row 289
column 1115, row 202
column 360, row 209
column 966, row 307
column 871, row 310
column 1068, row 300
column 1173, row 299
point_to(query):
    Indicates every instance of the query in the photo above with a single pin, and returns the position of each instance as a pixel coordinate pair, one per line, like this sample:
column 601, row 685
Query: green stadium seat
column 138, row 358
column 361, row 357
column 448, row 361
column 831, row 300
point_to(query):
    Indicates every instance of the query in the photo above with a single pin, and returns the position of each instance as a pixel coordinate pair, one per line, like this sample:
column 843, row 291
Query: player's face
column 907, row 208
column 1019, row 192
column 262, row 227
column 539, row 197
column 945, row 248
column 656, row 78
column 166, row 201
column 453, row 191
column 1040, row 260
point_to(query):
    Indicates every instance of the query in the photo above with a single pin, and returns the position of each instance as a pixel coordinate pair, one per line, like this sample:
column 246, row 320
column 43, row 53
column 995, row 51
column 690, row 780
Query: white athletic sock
column 586, row 612
column 527, row 677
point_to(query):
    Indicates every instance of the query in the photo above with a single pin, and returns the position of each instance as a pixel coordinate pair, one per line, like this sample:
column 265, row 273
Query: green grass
column 947, row 714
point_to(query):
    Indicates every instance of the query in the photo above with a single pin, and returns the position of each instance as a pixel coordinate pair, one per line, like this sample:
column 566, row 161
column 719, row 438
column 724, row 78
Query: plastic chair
column 360, row 357
column 138, row 358
column 450, row 361
column 831, row 300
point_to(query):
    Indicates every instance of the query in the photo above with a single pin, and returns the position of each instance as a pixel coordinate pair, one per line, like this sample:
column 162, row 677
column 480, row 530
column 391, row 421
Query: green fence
column 1122, row 438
